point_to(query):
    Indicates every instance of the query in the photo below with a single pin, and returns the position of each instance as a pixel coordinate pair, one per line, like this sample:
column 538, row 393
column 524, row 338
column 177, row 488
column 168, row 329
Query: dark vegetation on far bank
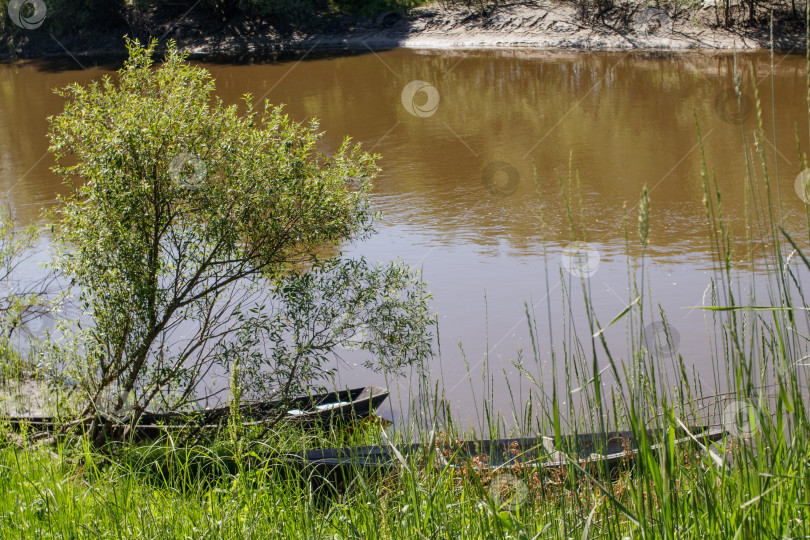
column 85, row 27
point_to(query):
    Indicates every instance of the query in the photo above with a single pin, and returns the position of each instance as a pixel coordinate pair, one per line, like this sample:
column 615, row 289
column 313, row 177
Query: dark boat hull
column 605, row 450
column 331, row 407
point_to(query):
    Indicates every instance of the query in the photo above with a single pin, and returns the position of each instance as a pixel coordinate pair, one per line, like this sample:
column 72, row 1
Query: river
column 460, row 135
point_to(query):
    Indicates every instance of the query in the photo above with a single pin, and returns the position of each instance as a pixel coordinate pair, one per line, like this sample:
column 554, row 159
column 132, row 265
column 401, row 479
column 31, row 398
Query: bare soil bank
column 538, row 25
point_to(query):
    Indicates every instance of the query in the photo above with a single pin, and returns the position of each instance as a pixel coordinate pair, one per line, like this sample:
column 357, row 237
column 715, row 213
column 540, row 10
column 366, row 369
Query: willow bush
column 196, row 233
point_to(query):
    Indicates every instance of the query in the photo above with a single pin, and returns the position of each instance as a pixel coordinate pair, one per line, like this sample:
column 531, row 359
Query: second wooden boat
column 608, row 450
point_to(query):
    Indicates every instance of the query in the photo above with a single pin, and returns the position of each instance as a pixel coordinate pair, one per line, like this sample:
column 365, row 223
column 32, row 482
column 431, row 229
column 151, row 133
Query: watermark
column 27, row 14
column 40, row 324
column 188, row 171
column 33, row 313
column 661, row 339
column 8, row 291
column 580, row 259
column 420, row 109
column 653, row 22
column 508, row 492
column 115, row 406
column 36, row 326
column 501, row 178
column 741, row 419
column 731, row 108
column 801, row 185
column 350, row 334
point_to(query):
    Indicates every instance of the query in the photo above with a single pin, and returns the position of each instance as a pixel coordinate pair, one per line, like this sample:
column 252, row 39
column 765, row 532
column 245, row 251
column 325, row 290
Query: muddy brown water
column 459, row 135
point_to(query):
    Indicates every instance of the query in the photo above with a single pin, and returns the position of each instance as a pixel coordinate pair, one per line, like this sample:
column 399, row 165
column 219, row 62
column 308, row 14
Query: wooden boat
column 609, row 450
column 341, row 406
column 330, row 407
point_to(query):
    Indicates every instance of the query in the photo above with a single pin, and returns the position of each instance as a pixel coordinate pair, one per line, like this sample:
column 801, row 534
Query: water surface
column 471, row 171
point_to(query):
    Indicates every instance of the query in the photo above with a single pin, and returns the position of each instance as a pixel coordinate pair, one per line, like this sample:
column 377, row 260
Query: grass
column 753, row 483
column 162, row 491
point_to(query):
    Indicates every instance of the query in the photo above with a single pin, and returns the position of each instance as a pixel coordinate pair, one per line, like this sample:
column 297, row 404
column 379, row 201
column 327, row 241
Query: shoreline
column 543, row 26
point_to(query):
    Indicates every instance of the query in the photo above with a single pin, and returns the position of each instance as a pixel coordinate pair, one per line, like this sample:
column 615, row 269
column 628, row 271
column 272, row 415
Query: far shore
column 542, row 26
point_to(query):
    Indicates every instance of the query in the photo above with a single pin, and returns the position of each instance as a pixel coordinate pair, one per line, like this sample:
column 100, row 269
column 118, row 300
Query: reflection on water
column 474, row 149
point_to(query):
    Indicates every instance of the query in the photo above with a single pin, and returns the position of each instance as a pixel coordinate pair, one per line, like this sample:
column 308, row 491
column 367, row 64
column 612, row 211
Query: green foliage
column 300, row 11
column 162, row 490
column 79, row 16
column 184, row 212
column 20, row 302
column 344, row 304
column 374, row 7
column 292, row 10
column 14, row 243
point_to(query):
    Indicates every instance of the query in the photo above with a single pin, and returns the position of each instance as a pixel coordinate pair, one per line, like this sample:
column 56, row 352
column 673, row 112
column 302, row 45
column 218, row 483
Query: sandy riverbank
column 540, row 25
column 543, row 26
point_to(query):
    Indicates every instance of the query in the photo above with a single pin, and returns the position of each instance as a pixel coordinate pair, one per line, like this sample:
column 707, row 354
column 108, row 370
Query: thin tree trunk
column 727, row 13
